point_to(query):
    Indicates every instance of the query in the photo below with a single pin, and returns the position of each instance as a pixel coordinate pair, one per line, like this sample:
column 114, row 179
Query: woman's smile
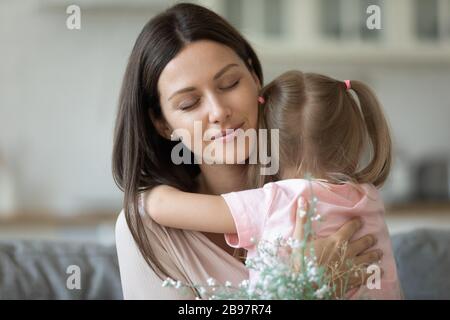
column 228, row 134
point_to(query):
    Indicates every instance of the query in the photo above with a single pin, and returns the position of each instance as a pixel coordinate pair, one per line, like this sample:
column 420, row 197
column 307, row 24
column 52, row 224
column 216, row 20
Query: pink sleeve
column 249, row 209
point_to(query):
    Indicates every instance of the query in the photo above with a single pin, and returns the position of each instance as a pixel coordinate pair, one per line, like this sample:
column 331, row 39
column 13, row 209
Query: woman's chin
column 231, row 160
column 225, row 153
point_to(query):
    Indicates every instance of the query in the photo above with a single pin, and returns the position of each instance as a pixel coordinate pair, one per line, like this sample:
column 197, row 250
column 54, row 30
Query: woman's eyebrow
column 217, row 76
column 181, row 91
column 225, row 69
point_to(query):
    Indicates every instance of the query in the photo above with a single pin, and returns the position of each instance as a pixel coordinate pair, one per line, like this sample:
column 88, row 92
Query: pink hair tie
column 347, row 84
column 261, row 100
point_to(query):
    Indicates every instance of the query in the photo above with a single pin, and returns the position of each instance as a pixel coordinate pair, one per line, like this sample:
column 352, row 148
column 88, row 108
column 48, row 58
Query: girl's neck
column 291, row 173
column 219, row 179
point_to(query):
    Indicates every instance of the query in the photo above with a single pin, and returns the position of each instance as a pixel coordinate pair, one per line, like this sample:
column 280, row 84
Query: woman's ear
column 161, row 125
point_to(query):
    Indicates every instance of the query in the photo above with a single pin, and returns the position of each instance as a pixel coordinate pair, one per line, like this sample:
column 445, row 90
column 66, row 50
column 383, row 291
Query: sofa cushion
column 423, row 261
column 38, row 270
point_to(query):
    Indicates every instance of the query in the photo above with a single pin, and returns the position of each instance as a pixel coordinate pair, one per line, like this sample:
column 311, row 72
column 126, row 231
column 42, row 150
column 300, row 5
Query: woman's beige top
column 189, row 257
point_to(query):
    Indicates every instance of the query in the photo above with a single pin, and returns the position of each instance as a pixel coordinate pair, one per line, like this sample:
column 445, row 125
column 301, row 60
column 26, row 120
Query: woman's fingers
column 346, row 232
column 368, row 258
column 301, row 219
column 360, row 245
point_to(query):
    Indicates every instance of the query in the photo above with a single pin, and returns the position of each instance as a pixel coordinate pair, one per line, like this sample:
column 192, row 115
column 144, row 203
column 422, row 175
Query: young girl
column 323, row 132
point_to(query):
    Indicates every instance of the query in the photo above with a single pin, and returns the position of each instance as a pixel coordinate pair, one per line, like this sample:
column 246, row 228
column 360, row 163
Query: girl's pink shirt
column 269, row 212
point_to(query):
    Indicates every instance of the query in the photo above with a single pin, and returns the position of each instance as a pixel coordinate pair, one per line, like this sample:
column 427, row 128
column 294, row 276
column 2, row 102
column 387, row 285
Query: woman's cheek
column 249, row 111
column 195, row 129
column 246, row 100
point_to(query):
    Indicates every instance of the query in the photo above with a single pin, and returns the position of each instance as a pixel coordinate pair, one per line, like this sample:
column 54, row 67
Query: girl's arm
column 173, row 208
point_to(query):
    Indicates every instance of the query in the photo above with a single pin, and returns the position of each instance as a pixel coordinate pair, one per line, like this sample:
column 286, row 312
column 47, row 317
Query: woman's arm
column 173, row 208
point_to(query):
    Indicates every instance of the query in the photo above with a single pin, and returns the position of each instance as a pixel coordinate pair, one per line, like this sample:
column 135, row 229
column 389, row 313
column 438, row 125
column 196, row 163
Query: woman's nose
column 218, row 110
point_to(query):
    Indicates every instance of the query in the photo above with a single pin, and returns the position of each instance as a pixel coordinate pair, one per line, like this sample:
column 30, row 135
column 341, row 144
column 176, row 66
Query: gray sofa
column 38, row 270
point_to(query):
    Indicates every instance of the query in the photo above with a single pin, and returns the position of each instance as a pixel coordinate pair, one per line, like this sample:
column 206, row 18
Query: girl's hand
column 335, row 251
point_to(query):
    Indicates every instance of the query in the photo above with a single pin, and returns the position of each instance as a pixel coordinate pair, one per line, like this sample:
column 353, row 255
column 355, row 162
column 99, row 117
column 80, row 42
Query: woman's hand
column 335, row 251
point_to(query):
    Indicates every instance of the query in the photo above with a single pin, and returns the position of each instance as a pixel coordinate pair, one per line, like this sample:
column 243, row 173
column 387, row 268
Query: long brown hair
column 141, row 157
column 323, row 131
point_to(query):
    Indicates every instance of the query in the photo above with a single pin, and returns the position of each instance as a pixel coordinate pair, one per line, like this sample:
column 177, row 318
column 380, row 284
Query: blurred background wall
column 59, row 90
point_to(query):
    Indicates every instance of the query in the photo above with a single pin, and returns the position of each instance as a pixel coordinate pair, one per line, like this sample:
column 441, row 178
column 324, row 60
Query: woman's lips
column 229, row 135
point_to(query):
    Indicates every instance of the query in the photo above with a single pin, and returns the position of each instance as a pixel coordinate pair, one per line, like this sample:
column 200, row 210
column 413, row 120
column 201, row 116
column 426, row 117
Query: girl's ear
column 161, row 126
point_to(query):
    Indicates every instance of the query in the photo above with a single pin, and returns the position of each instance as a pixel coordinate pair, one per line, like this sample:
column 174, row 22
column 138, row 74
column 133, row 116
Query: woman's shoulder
column 124, row 236
column 121, row 225
column 139, row 280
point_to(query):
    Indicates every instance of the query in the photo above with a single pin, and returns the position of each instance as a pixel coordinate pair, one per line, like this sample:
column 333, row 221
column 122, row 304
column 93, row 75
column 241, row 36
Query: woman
column 188, row 66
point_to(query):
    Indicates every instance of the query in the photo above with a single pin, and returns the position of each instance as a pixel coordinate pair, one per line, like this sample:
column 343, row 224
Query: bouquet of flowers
column 287, row 269
column 278, row 277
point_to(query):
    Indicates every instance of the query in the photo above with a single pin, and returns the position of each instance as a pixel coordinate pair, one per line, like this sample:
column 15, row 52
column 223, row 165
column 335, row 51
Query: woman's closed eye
column 231, row 86
column 188, row 104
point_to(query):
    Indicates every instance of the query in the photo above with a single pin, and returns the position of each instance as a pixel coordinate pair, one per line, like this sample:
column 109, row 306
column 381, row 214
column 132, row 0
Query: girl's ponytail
column 324, row 131
column 377, row 171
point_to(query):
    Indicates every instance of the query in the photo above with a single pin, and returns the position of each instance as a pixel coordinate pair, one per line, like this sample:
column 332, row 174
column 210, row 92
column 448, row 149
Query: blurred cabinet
column 411, row 31
column 410, row 216
column 87, row 227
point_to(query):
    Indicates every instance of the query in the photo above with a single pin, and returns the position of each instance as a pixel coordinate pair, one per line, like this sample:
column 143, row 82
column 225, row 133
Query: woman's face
column 205, row 91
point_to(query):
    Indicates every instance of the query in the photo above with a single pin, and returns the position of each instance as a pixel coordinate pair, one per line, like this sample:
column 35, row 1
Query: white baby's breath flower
column 281, row 290
column 312, row 272
column 320, row 293
column 211, row 282
column 266, row 283
column 294, row 243
column 301, row 213
column 244, row 284
column 228, row 284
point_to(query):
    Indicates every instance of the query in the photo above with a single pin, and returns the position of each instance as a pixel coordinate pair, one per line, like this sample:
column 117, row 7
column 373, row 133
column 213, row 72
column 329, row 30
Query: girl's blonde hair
column 324, row 131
